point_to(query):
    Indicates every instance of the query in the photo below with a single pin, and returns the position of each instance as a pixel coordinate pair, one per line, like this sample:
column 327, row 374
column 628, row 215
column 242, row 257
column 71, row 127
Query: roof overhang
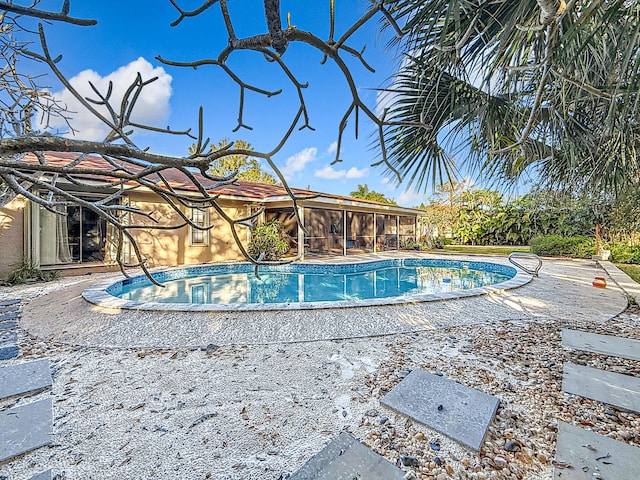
column 342, row 204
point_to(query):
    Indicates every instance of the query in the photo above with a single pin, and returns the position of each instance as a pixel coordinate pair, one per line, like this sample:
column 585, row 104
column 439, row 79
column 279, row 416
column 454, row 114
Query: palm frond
column 562, row 98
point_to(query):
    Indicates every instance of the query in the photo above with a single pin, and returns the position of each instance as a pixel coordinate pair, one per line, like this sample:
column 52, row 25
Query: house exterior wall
column 165, row 247
column 173, row 247
column 11, row 235
column 160, row 247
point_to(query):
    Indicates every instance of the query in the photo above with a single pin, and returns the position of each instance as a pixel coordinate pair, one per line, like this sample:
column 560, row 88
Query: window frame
column 204, row 222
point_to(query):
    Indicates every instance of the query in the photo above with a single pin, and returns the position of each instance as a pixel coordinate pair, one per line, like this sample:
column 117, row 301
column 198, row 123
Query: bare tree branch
column 123, row 167
column 45, row 15
column 184, row 14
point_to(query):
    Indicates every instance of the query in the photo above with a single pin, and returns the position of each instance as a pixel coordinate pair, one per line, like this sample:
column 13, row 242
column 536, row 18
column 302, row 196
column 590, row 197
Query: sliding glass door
column 75, row 235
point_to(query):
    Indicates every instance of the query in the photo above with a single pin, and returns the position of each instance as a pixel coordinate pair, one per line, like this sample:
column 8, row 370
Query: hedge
column 558, row 246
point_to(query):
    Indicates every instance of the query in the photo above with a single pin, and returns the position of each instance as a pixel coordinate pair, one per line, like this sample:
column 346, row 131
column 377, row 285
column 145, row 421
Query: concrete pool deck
column 563, row 291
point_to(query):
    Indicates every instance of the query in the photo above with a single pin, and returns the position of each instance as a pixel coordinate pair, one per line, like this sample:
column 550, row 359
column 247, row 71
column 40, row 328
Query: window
column 199, row 217
column 200, row 293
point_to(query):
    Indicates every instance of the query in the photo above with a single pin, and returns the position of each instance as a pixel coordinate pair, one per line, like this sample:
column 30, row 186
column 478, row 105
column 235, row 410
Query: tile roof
column 179, row 181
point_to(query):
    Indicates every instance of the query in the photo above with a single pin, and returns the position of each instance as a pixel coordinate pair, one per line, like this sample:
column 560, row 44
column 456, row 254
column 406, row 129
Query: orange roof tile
column 179, row 181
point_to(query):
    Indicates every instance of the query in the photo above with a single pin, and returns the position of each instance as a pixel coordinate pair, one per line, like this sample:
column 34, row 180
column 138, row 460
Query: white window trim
column 205, row 233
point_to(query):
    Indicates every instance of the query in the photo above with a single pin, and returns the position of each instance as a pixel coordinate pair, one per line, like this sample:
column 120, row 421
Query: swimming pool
column 303, row 285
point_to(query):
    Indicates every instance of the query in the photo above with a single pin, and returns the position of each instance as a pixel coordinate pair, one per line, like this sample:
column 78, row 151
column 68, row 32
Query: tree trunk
column 598, row 240
column 549, row 10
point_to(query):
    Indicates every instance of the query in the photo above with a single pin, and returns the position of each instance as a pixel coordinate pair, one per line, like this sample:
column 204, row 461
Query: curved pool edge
column 97, row 294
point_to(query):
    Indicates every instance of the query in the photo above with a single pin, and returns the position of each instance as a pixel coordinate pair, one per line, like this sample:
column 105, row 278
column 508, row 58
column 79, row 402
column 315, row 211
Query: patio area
column 254, row 395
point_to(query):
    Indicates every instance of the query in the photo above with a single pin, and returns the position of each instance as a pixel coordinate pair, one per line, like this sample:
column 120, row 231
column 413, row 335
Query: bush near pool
column 558, row 246
column 583, row 247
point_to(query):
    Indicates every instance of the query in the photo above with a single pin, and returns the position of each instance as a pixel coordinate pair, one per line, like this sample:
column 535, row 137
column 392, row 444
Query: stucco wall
column 172, row 247
column 11, row 235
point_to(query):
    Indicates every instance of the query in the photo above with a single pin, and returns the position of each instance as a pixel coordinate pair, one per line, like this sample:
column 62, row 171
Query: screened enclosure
column 386, row 232
column 359, row 232
column 287, row 218
column 325, row 231
column 407, row 231
column 344, row 232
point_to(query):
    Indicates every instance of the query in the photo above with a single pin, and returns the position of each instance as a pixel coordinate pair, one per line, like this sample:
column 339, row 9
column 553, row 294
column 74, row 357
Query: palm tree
column 538, row 86
column 363, row 192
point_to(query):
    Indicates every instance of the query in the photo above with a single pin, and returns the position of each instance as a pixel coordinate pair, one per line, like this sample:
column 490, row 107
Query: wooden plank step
column 603, row 344
column 612, row 388
column 585, row 455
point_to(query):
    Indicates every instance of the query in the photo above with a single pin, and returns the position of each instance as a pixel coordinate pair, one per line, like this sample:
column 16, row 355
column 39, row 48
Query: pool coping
column 97, row 294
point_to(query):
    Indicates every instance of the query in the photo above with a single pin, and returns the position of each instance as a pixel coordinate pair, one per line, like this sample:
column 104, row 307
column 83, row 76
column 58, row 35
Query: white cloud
column 410, row 198
column 152, row 107
column 353, row 172
column 384, row 101
column 330, row 173
column 333, row 148
column 298, row 161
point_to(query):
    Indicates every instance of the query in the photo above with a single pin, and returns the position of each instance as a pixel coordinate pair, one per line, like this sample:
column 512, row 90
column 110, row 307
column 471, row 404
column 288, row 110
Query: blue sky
column 129, row 36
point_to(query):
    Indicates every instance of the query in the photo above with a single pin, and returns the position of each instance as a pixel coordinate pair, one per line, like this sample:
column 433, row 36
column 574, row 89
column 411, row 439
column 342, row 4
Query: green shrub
column 439, row 242
column 624, row 253
column 558, row 246
column 27, row 272
column 268, row 242
column 408, row 244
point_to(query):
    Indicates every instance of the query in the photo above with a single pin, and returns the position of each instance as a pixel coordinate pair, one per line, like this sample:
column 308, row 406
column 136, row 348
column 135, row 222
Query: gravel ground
column 260, row 411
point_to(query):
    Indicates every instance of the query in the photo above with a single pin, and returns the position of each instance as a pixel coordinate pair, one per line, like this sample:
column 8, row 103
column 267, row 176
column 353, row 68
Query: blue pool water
column 305, row 283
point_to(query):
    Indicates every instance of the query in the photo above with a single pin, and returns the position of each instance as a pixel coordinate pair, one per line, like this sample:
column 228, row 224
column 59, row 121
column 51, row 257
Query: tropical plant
column 408, row 244
column 436, row 242
column 482, row 218
column 482, row 198
column 437, row 220
column 364, row 193
column 527, row 86
column 235, row 165
column 449, row 193
column 28, row 272
column 441, row 212
column 502, row 225
column 623, row 252
column 623, row 217
column 268, row 242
